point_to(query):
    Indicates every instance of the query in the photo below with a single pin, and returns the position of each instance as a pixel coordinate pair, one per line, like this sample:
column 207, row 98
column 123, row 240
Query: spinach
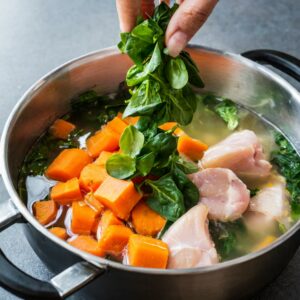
column 131, row 141
column 145, row 163
column 288, row 162
column 253, row 192
column 121, row 166
column 227, row 110
column 177, row 73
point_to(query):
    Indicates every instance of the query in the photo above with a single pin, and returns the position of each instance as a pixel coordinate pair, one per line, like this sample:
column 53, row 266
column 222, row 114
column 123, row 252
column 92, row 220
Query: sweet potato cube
column 131, row 120
column 65, row 193
column 169, row 126
column 83, row 218
column 190, row 147
column 103, row 157
column 108, row 218
column 146, row 221
column 45, row 211
column 95, row 204
column 68, row 164
column 114, row 239
column 92, row 176
column 86, row 243
column 117, row 125
column 147, row 252
column 61, row 129
column 104, row 140
column 118, row 195
column 59, row 232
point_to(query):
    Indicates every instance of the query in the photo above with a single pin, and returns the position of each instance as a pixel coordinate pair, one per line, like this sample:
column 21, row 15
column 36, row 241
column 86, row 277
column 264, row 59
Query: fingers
column 129, row 10
column 187, row 20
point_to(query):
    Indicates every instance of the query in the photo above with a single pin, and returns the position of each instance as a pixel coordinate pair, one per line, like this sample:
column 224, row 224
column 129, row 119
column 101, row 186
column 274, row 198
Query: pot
column 224, row 74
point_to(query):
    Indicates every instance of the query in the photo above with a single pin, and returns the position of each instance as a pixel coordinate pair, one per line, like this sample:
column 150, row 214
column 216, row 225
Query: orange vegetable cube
column 108, row 218
column 146, row 221
column 45, row 211
column 147, row 252
column 190, row 147
column 86, row 243
column 65, row 193
column 104, row 140
column 103, row 157
column 68, row 164
column 169, row 126
column 114, row 239
column 118, row 195
column 59, row 232
column 117, row 125
column 92, row 176
column 61, row 129
column 95, row 204
column 131, row 120
column 83, row 218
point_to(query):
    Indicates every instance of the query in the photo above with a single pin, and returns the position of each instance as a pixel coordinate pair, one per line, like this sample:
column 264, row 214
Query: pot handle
column 23, row 285
column 280, row 60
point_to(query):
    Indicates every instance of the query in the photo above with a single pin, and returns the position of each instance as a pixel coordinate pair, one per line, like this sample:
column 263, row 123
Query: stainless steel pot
column 224, row 74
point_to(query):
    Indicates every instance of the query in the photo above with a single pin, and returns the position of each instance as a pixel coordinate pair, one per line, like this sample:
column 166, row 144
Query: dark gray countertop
column 36, row 36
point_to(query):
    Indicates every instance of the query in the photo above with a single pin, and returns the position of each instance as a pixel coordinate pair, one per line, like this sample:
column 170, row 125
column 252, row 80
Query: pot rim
column 102, row 262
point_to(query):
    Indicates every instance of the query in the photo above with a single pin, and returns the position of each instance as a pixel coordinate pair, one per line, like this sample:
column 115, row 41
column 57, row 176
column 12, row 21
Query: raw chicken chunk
column 272, row 201
column 189, row 241
column 225, row 195
column 242, row 153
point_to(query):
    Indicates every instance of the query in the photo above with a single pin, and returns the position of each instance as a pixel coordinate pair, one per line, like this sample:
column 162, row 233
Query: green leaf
column 227, row 110
column 253, row 192
column 186, row 166
column 120, row 166
column 176, row 73
column 166, row 199
column 147, row 31
column 131, row 141
column 145, row 163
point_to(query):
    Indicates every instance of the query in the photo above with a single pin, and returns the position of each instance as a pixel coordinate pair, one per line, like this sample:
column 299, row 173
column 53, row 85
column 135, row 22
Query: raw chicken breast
column 225, row 195
column 272, row 201
column 189, row 241
column 242, row 153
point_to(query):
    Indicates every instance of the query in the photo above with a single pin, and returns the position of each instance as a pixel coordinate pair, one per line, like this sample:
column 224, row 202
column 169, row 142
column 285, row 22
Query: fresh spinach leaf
column 121, row 166
column 177, row 73
column 227, row 110
column 131, row 141
column 186, row 166
column 145, row 163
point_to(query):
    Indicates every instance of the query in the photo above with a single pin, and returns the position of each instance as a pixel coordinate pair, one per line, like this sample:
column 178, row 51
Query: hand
column 188, row 18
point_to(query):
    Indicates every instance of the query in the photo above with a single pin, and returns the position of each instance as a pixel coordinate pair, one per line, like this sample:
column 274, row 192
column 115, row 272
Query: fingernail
column 176, row 43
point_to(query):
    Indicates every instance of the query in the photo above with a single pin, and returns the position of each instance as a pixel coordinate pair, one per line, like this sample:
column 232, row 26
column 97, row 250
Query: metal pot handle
column 280, row 60
column 21, row 284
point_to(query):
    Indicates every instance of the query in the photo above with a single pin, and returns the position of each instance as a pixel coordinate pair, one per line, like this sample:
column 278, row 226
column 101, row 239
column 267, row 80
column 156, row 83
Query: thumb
column 186, row 21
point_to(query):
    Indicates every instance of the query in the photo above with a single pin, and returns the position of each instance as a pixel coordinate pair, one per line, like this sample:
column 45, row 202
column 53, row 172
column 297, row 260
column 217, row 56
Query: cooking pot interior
column 224, row 75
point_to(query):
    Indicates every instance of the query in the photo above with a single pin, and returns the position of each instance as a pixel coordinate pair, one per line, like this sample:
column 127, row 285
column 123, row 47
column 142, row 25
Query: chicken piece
column 272, row 200
column 225, row 195
column 189, row 241
column 242, row 153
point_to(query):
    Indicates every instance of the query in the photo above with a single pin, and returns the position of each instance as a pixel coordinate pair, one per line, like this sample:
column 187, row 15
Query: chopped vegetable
column 190, row 147
column 227, row 110
column 102, row 158
column 118, row 195
column 59, row 232
column 117, row 125
column 104, row 140
column 95, row 204
column 68, row 164
column 131, row 120
column 108, row 218
column 45, row 211
column 61, row 129
column 83, row 218
column 114, row 239
column 146, row 221
column 92, row 176
column 147, row 252
column 66, row 192
column 170, row 126
column 269, row 239
column 86, row 243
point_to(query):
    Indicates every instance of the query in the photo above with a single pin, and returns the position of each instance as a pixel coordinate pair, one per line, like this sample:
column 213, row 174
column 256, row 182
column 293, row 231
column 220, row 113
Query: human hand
column 186, row 21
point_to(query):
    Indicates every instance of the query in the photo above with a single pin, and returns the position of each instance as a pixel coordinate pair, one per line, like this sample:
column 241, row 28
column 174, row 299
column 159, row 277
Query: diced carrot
column 147, row 252
column 104, row 140
column 68, row 164
column 108, row 218
column 92, row 176
column 118, row 195
column 86, row 243
column 65, row 193
column 90, row 200
column 146, row 221
column 103, row 157
column 131, row 120
column 59, row 232
column 169, row 126
column 190, row 147
column 117, row 125
column 61, row 129
column 83, row 218
column 45, row 211
column 269, row 239
column 114, row 239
